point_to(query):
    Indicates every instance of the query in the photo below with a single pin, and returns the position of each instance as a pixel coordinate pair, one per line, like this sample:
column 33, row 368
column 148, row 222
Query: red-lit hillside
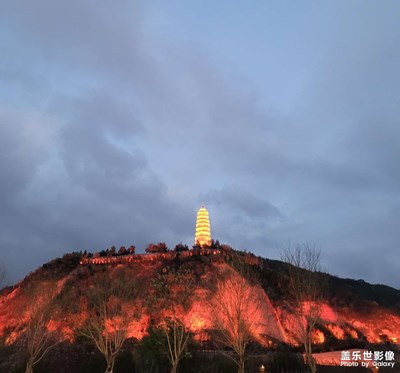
column 196, row 283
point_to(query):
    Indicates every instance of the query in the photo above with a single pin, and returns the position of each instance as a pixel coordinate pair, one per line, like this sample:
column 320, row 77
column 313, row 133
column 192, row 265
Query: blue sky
column 117, row 121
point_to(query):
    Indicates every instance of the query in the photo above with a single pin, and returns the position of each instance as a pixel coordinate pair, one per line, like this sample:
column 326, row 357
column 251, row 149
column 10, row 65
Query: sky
column 118, row 120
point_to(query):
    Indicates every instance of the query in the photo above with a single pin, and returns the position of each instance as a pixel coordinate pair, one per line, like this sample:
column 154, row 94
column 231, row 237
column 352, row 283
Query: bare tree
column 38, row 339
column 109, row 315
column 305, row 292
column 235, row 307
column 177, row 336
column 171, row 294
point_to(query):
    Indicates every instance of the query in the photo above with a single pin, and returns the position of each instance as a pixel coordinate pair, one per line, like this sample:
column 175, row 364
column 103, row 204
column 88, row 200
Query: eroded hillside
column 198, row 288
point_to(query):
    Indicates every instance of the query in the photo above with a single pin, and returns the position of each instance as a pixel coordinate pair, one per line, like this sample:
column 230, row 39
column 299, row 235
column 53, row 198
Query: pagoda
column 203, row 231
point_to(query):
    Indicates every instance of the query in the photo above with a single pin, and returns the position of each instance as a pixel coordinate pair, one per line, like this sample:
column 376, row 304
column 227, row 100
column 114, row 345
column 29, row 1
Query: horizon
column 171, row 249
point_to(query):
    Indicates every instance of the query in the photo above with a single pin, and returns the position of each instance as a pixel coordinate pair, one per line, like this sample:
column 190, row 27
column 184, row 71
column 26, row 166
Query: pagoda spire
column 203, row 231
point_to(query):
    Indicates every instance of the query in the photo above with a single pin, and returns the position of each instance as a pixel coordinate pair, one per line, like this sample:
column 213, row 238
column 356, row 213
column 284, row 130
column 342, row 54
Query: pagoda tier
column 203, row 231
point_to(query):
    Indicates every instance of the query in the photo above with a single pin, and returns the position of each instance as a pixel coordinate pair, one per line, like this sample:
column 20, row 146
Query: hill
column 192, row 286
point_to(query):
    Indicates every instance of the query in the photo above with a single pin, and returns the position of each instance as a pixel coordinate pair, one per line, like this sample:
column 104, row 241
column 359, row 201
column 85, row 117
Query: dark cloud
column 113, row 131
column 245, row 203
column 78, row 186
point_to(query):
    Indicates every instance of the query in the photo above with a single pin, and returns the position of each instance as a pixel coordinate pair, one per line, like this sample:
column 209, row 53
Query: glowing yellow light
column 203, row 231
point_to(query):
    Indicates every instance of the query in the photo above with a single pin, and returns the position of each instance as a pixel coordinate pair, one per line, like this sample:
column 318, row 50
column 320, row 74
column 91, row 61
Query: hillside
column 354, row 313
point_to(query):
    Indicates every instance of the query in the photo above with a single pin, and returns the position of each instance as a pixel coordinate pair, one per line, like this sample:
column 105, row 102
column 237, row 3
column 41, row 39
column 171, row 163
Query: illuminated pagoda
column 203, row 231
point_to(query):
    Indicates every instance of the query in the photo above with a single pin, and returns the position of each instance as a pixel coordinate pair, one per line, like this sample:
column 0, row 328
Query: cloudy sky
column 119, row 119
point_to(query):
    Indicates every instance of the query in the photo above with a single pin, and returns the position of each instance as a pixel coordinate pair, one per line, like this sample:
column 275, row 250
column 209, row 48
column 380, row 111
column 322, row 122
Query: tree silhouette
column 38, row 339
column 122, row 251
column 170, row 297
column 235, row 307
column 180, row 247
column 152, row 248
column 109, row 315
column 305, row 292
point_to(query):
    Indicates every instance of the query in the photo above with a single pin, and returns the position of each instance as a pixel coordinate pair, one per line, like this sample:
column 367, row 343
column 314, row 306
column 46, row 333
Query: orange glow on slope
column 323, row 310
column 59, row 327
column 376, row 323
column 353, row 334
column 290, row 324
column 278, row 321
column 197, row 324
column 336, row 331
column 11, row 338
column 318, row 336
column 234, row 295
column 204, row 310
column 137, row 328
column 199, row 316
